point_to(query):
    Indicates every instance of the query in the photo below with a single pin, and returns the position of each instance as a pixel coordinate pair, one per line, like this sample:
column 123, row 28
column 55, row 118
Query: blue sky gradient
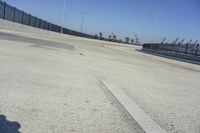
column 175, row 18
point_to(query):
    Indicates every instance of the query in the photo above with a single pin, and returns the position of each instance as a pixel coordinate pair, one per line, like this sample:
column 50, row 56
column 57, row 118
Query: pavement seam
column 143, row 119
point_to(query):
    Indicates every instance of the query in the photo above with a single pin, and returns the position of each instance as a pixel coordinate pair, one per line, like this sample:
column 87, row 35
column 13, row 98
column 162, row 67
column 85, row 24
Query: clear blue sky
column 176, row 18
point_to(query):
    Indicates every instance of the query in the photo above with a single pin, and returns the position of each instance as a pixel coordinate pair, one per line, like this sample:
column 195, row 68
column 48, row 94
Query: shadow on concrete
column 8, row 126
column 169, row 57
column 39, row 42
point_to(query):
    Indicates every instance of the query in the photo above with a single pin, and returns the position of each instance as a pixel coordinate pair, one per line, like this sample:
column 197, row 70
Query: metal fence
column 179, row 48
column 11, row 13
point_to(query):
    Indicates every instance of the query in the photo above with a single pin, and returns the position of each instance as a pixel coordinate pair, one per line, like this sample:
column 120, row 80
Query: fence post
column 44, row 25
column 171, row 46
column 177, row 51
column 186, row 48
column 4, row 10
column 48, row 26
column 29, row 19
column 34, row 22
column 39, row 23
column 22, row 17
column 197, row 50
column 14, row 14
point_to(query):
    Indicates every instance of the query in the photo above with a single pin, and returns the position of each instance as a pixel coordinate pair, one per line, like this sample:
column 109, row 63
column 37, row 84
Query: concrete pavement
column 48, row 88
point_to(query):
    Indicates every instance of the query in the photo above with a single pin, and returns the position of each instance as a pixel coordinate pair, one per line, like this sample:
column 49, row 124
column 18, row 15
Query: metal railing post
column 48, row 26
column 186, row 48
column 40, row 23
column 34, row 25
column 14, row 14
column 4, row 10
column 22, row 17
column 44, row 25
column 178, row 47
column 29, row 19
column 197, row 50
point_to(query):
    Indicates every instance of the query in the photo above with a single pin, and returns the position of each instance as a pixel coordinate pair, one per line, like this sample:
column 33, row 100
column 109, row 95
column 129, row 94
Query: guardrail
column 11, row 13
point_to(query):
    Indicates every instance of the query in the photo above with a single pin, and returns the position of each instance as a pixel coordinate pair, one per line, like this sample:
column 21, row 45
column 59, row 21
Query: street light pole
column 63, row 16
column 155, row 26
column 156, row 14
column 83, row 13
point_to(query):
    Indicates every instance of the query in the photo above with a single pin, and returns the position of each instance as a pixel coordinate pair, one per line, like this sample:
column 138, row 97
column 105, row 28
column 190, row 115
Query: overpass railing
column 11, row 13
column 186, row 48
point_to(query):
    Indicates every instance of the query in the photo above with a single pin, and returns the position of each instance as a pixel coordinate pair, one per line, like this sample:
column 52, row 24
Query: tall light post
column 63, row 17
column 156, row 14
column 83, row 13
column 155, row 26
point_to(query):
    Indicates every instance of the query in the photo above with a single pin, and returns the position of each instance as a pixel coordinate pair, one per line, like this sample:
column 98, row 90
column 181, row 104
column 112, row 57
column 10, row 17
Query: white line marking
column 146, row 123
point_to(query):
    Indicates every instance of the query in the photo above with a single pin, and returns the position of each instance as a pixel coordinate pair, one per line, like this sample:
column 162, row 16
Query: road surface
column 51, row 83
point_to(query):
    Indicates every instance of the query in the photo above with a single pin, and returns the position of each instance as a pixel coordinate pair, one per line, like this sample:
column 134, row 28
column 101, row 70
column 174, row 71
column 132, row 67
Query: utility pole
column 83, row 13
column 155, row 27
column 63, row 16
column 156, row 15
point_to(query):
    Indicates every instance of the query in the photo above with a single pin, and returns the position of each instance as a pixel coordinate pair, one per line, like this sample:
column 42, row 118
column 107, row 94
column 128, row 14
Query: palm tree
column 114, row 37
column 132, row 41
column 100, row 35
column 110, row 38
column 127, row 39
